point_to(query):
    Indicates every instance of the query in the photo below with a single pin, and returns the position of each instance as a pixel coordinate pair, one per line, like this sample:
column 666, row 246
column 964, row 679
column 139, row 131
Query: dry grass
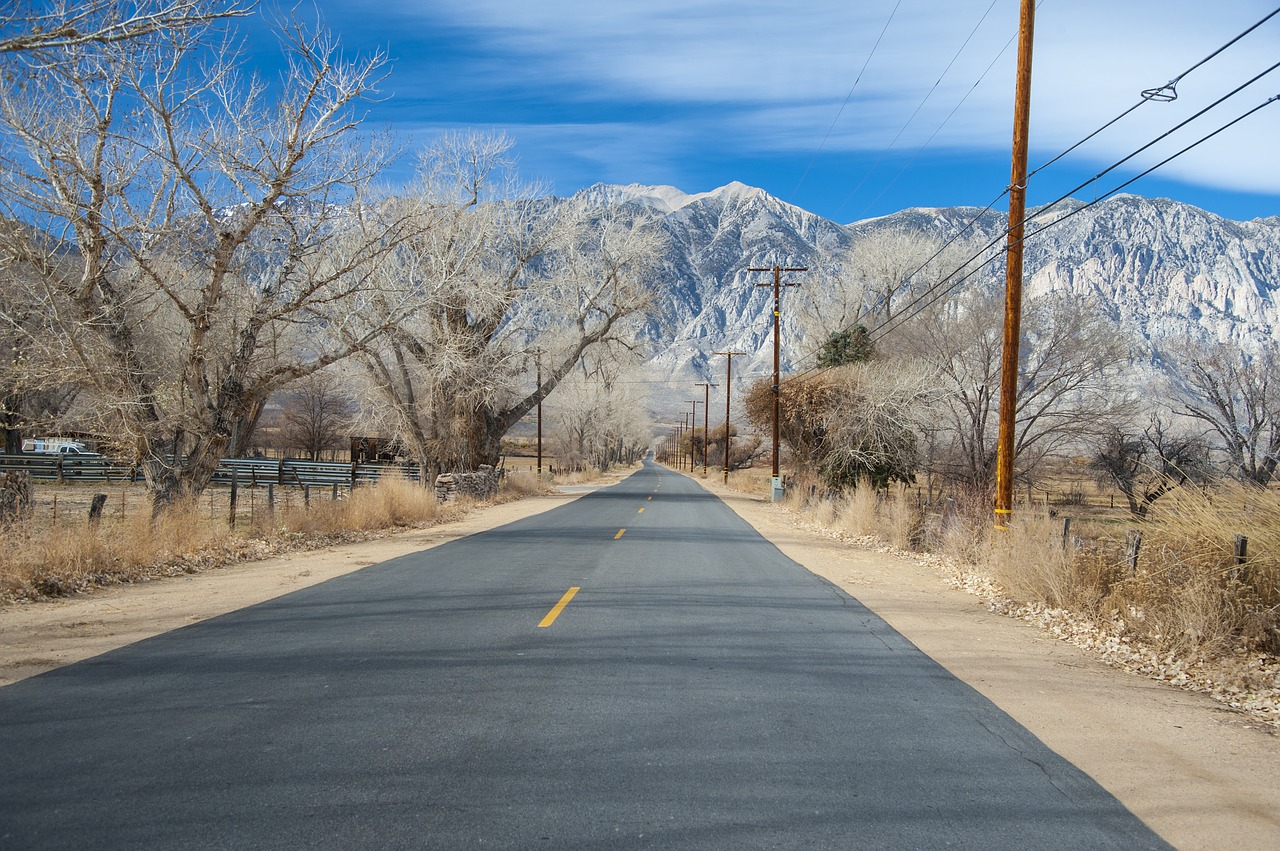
column 40, row 559
column 1188, row 594
column 36, row 562
column 392, row 503
column 1036, row 564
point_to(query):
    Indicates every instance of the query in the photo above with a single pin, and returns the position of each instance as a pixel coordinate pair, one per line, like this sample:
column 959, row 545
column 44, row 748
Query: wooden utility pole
column 693, row 432
column 728, row 387
column 706, row 413
column 539, row 358
column 778, row 284
column 1013, row 272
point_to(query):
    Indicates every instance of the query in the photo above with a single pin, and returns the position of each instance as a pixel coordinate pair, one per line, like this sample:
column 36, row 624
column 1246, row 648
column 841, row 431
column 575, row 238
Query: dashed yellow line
column 619, row 535
column 559, row 607
column 641, row 511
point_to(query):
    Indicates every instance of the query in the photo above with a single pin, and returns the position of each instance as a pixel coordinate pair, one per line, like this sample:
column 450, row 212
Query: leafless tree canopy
column 1070, row 384
column 1145, row 465
column 1238, row 397
column 45, row 27
column 315, row 415
column 598, row 420
column 499, row 280
column 204, row 241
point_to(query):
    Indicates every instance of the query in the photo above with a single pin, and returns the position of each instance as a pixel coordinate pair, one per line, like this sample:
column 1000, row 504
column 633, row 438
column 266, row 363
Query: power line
column 898, row 318
column 919, row 107
column 932, row 294
column 1163, row 94
column 847, row 98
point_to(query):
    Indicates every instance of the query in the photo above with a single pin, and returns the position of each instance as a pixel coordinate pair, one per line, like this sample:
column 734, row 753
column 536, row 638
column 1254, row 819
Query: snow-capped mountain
column 1163, row 270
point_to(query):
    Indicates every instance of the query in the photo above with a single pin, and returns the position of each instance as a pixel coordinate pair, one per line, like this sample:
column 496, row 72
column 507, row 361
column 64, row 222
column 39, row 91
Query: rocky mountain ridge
column 1163, row 270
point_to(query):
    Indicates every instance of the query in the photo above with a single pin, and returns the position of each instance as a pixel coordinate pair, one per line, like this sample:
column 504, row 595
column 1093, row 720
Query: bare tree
column 207, row 245
column 1238, row 397
column 315, row 415
column 1147, row 465
column 863, row 285
column 43, row 27
column 1069, row 386
column 598, row 419
column 499, row 275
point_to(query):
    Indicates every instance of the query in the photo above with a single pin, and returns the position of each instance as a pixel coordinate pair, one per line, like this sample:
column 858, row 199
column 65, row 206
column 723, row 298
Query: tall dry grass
column 1035, row 563
column 1188, row 594
column 40, row 561
column 49, row 562
column 391, row 503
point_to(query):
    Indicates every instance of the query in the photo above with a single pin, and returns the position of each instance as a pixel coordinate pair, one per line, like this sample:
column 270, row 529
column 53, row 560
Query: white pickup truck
column 55, row 446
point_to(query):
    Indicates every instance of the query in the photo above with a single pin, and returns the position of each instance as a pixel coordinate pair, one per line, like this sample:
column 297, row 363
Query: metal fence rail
column 247, row 472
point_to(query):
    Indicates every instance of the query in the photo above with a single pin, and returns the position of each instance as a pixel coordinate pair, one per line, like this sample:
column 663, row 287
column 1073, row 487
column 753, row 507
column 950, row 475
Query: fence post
column 354, row 467
column 306, row 496
column 335, row 491
column 1066, row 531
column 1132, row 544
column 235, row 493
column 95, row 508
column 271, row 499
column 1241, row 555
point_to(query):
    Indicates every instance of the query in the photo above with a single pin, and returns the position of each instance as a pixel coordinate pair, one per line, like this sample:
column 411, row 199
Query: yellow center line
column 619, row 535
column 641, row 511
column 650, row 499
column 559, row 607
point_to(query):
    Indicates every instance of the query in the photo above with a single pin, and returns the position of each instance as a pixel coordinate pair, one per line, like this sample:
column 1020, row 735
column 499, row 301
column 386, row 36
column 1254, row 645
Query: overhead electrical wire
column 1164, row 94
column 932, row 294
column 1147, row 96
column 919, row 107
column 879, row 332
column 847, row 98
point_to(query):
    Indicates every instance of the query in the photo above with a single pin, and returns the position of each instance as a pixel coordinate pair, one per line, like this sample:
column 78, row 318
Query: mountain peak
column 736, row 191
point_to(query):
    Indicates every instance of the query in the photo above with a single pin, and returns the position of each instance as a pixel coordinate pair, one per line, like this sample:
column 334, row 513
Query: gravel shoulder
column 1199, row 774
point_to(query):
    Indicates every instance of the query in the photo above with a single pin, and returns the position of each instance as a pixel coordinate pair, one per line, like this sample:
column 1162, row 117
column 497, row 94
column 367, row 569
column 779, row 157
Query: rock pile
column 482, row 484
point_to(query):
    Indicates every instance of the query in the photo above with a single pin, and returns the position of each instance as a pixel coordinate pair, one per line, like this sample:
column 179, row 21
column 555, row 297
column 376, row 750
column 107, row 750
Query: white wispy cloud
column 775, row 75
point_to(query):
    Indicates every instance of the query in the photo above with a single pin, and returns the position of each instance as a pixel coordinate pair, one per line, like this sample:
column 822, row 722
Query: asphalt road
column 700, row 690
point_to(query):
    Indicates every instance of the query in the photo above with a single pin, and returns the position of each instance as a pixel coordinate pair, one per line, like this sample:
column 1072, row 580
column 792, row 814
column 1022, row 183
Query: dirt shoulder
column 1200, row 775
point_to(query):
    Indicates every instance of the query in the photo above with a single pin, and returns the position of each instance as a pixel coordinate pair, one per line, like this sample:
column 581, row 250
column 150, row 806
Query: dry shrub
column 858, row 513
column 1035, row 565
column 751, row 480
column 577, row 477
column 962, row 536
column 518, row 484
column 902, row 518
column 391, row 502
column 1188, row 594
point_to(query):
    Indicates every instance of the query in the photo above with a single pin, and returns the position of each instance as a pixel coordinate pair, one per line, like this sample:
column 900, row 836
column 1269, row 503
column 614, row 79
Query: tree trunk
column 12, row 433
column 242, row 432
column 175, row 481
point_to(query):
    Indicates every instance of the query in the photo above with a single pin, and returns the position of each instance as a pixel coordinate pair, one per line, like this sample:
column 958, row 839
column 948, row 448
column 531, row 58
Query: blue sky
column 847, row 109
